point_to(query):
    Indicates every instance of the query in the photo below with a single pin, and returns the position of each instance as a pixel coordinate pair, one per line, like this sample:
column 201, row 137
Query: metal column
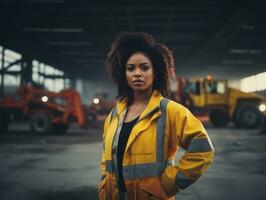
column 2, row 74
column 26, row 71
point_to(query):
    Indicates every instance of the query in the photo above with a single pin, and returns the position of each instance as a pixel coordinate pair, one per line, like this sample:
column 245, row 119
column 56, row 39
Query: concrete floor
column 66, row 166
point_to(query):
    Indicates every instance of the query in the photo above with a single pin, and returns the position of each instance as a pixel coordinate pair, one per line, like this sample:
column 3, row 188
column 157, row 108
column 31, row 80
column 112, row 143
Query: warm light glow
column 96, row 100
column 44, row 99
column 262, row 107
column 209, row 77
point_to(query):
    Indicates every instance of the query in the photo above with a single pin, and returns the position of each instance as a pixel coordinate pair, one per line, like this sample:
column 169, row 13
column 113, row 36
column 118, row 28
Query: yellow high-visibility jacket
column 148, row 163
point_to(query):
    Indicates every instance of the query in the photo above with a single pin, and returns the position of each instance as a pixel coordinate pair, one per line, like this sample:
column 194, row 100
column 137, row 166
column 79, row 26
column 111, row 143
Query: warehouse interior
column 56, row 49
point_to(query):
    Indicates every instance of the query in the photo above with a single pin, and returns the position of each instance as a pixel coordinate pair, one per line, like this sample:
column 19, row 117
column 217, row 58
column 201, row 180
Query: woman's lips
column 138, row 81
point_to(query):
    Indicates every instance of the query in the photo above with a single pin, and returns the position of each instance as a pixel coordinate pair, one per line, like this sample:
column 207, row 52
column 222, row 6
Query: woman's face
column 139, row 72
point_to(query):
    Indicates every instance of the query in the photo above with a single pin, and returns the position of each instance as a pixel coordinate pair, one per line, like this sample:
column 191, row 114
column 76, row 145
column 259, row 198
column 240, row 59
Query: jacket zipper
column 116, row 132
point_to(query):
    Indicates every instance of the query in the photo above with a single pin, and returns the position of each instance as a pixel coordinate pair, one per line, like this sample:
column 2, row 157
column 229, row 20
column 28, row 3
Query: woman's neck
column 141, row 97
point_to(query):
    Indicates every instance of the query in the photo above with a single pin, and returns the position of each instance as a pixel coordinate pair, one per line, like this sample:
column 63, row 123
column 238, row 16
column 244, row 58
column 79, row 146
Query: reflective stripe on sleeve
column 200, row 145
column 182, row 181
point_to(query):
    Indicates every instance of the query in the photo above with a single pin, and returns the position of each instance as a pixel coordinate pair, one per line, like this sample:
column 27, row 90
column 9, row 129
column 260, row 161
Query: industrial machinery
column 222, row 103
column 101, row 107
column 46, row 111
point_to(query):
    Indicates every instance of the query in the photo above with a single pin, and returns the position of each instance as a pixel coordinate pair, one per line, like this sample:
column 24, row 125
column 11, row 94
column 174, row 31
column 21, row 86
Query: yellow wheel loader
column 222, row 103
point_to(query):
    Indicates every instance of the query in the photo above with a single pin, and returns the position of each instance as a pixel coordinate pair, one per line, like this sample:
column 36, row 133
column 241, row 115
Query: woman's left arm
column 189, row 133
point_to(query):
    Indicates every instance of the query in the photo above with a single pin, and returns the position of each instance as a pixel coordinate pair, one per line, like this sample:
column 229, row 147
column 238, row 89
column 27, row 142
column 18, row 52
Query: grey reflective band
column 182, row 181
column 108, row 166
column 161, row 130
column 144, row 170
column 117, row 134
column 113, row 113
column 200, row 145
column 115, row 144
column 141, row 170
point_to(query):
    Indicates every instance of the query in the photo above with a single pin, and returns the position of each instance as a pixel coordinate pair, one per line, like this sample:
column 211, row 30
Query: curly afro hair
column 125, row 45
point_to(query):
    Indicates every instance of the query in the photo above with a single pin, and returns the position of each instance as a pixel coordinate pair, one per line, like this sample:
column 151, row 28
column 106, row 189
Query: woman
column 144, row 130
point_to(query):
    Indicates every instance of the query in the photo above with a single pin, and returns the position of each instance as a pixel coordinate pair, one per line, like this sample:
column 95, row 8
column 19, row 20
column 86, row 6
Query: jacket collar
column 154, row 103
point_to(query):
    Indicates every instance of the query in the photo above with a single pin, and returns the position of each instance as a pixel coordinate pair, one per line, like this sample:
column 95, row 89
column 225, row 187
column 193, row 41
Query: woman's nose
column 138, row 72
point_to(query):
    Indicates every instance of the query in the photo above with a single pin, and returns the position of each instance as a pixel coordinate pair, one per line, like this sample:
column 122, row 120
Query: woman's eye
column 130, row 68
column 145, row 67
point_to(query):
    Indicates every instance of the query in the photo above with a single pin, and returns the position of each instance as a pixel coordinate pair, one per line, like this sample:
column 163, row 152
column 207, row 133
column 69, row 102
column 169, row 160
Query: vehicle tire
column 60, row 128
column 40, row 123
column 4, row 121
column 248, row 115
column 219, row 117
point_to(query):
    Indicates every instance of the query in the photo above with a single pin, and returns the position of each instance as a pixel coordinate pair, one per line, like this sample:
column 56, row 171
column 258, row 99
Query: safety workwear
column 148, row 164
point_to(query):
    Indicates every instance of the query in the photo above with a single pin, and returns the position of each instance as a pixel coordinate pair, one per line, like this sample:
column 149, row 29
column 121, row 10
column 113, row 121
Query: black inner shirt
column 122, row 143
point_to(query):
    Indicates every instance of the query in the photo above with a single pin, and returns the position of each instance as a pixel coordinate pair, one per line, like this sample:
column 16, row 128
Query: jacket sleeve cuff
column 168, row 181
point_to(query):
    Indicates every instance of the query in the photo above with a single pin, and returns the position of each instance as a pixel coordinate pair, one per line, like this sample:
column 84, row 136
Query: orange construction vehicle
column 46, row 111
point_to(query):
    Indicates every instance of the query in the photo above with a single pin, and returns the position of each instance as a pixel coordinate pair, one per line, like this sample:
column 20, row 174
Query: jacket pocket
column 147, row 195
column 150, row 188
column 102, row 190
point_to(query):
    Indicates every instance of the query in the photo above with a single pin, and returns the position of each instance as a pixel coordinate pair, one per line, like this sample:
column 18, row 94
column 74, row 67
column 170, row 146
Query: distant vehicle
column 46, row 111
column 101, row 107
column 222, row 103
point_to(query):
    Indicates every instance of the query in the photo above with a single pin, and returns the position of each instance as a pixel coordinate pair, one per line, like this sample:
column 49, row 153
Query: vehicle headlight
column 44, row 99
column 262, row 107
column 96, row 100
